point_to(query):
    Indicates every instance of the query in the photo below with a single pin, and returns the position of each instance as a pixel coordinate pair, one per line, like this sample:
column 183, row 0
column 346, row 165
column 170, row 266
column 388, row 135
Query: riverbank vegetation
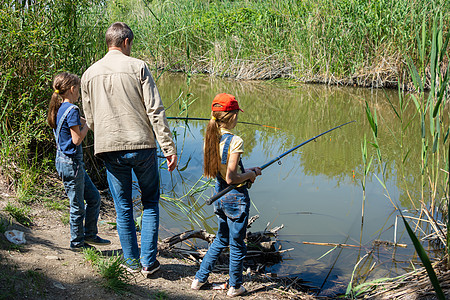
column 342, row 42
column 338, row 42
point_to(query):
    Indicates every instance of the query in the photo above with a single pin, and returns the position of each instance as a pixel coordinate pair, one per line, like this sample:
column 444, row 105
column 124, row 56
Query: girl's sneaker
column 220, row 286
column 196, row 284
column 232, row 292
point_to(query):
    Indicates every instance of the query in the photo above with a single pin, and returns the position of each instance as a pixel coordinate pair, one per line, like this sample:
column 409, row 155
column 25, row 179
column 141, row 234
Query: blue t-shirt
column 72, row 119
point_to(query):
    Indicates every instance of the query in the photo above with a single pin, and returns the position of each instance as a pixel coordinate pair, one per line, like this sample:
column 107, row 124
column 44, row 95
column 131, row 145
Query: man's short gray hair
column 117, row 33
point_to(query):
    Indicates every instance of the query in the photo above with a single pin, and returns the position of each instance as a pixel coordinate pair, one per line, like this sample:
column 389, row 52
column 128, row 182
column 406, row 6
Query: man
column 123, row 107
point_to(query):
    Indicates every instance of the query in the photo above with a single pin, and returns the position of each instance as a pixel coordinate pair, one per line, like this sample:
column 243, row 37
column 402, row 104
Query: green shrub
column 37, row 42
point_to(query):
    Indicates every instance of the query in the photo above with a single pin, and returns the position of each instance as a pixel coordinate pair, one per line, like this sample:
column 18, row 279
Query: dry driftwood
column 169, row 242
column 375, row 243
column 261, row 248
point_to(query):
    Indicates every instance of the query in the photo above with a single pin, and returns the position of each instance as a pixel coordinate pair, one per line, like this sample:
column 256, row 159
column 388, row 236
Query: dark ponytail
column 61, row 84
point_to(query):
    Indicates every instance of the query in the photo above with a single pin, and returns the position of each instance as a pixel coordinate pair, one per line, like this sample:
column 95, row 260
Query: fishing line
column 311, row 213
column 206, row 119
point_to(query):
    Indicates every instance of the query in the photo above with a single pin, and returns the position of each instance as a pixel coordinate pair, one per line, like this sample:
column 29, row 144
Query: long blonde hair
column 61, row 84
column 211, row 155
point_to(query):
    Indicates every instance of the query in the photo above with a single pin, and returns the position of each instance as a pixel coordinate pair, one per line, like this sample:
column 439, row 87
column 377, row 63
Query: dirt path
column 44, row 268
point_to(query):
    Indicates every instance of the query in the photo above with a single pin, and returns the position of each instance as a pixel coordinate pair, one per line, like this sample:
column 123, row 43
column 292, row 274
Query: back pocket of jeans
column 232, row 206
column 67, row 169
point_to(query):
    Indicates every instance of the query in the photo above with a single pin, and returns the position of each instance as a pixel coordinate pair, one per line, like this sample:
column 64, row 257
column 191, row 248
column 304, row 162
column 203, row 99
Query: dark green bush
column 38, row 41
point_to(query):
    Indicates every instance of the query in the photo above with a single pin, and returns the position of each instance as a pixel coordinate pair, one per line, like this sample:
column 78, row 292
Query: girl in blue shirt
column 70, row 130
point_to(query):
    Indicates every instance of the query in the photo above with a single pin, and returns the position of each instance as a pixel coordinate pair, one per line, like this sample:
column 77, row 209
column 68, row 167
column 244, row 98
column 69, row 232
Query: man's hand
column 172, row 162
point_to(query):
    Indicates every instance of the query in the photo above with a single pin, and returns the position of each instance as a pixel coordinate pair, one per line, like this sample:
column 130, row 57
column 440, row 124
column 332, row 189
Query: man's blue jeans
column 232, row 212
column 119, row 165
column 79, row 188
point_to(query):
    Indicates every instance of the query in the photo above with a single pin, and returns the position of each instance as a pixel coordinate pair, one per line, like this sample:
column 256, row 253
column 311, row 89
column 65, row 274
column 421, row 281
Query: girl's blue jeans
column 119, row 165
column 232, row 212
column 80, row 189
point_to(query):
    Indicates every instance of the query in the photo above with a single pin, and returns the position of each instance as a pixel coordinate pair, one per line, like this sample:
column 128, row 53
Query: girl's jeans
column 79, row 188
column 118, row 170
column 232, row 212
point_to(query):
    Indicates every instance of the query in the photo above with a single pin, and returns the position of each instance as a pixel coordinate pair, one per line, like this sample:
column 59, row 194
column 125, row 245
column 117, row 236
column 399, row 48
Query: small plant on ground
column 20, row 214
column 17, row 284
column 55, row 204
column 37, row 280
column 92, row 256
column 115, row 276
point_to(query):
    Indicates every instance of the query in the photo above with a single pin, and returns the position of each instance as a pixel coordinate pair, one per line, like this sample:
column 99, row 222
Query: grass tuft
column 115, row 276
column 20, row 214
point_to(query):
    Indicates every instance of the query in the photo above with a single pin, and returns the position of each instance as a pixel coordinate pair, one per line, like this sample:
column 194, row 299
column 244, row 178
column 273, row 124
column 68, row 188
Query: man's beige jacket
column 123, row 107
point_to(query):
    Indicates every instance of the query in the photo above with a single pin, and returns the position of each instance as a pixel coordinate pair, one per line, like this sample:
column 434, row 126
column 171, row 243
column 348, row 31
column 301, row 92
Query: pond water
column 316, row 191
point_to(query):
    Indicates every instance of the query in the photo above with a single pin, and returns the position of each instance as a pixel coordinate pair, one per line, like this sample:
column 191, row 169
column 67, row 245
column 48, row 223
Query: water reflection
column 316, row 191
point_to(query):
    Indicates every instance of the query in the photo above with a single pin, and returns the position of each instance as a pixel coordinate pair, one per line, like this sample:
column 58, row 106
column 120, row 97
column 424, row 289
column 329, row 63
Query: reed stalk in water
column 429, row 109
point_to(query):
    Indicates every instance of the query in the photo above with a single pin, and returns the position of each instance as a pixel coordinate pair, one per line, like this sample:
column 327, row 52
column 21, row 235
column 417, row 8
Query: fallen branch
column 387, row 243
column 169, row 242
column 331, row 244
column 375, row 243
column 261, row 249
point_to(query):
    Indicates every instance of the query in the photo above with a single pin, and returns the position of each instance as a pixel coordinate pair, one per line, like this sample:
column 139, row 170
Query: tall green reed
column 429, row 110
column 432, row 116
column 367, row 163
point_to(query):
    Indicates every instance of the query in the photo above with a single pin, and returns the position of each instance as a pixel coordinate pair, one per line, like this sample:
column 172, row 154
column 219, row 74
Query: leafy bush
column 38, row 41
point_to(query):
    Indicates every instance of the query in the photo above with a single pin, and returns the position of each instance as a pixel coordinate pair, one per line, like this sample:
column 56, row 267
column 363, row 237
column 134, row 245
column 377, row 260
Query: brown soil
column 44, row 268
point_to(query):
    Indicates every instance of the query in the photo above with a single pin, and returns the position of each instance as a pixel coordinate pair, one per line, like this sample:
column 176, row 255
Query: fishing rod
column 205, row 119
column 232, row 186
